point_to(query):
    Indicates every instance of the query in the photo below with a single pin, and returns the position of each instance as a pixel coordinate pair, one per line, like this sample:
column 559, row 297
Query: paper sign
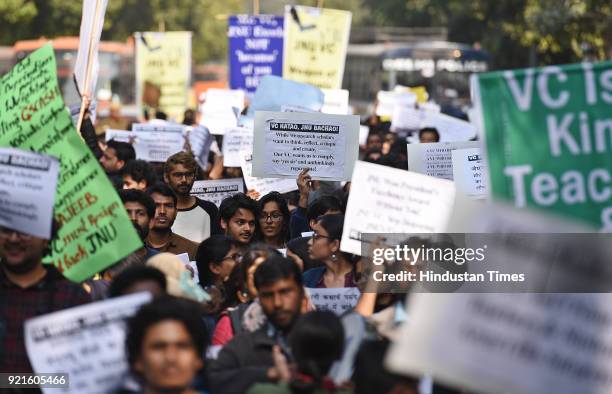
column 406, row 118
column 155, row 146
column 295, row 108
column 217, row 190
column 255, row 49
column 336, row 101
column 316, row 40
column 435, row 158
column 92, row 21
column 200, row 141
column 468, row 172
column 285, row 143
column 95, row 229
column 263, row 185
column 394, row 201
column 547, row 133
column 28, row 181
column 236, row 139
column 364, row 131
column 449, row 128
column 159, row 127
column 337, row 300
column 273, row 92
column 163, row 71
column 87, row 342
column 387, row 101
column 233, row 98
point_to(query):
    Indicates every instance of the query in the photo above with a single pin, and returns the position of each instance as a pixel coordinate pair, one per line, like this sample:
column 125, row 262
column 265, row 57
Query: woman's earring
column 334, row 257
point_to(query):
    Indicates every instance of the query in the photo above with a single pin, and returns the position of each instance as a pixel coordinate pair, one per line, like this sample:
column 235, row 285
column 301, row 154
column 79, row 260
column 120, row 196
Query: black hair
column 430, row 130
column 299, row 246
column 125, row 152
column 282, row 206
column 165, row 308
column 133, row 195
column 135, row 273
column 211, row 250
column 333, row 224
column 164, row 190
column 161, row 115
column 230, row 206
column 321, row 205
column 189, row 117
column 139, row 170
column 316, row 341
column 277, row 268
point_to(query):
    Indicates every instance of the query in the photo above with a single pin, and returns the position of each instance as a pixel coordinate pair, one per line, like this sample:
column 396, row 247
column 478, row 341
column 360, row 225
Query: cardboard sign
column 154, row 146
column 316, row 40
column 221, row 109
column 547, row 136
column 163, row 71
column 28, row 181
column 337, row 300
column 274, row 92
column 236, row 139
column 406, row 118
column 87, row 207
column 394, row 201
column 217, row 190
column 449, row 128
column 263, row 185
column 364, row 131
column 255, row 49
column 387, row 101
column 201, row 142
column 159, row 127
column 336, row 101
column 87, row 342
column 92, row 21
column 287, row 142
column 435, row 158
column 468, row 172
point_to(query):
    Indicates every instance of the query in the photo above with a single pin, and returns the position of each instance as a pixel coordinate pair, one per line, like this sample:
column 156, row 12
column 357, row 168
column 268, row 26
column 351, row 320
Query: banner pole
column 86, row 94
column 255, row 7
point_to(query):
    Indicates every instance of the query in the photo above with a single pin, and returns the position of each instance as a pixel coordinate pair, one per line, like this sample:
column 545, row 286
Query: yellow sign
column 316, row 40
column 163, row 71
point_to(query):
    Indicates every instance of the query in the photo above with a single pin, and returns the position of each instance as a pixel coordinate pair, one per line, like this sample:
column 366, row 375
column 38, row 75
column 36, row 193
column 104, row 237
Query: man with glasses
column 28, row 288
column 196, row 219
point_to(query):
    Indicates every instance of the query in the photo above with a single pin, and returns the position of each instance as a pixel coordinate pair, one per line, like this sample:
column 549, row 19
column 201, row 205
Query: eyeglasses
column 316, row 236
column 181, row 175
column 237, row 257
column 275, row 217
column 7, row 232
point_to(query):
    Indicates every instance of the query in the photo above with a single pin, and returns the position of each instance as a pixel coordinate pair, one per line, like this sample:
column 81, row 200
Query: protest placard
column 200, row 141
column 90, row 214
column 221, row 109
column 394, row 201
column 263, row 186
column 159, row 127
column 335, row 101
column 364, row 131
column 154, row 146
column 255, row 49
column 217, row 190
column 236, row 139
column 274, row 92
column 27, row 195
column 86, row 342
column 295, row 108
column 406, row 118
column 337, row 300
column 435, row 158
column 449, row 128
column 163, row 71
column 92, row 21
column 387, row 101
column 468, row 172
column 287, row 142
column 550, row 147
column 316, row 40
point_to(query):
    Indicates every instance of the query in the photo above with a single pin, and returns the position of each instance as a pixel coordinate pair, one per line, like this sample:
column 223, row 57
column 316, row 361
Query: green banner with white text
column 548, row 136
column 95, row 229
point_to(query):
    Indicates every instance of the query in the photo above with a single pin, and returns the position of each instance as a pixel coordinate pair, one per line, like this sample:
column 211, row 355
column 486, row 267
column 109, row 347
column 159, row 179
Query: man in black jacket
column 248, row 358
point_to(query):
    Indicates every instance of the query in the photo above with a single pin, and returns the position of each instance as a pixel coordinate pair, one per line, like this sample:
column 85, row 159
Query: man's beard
column 142, row 232
column 22, row 268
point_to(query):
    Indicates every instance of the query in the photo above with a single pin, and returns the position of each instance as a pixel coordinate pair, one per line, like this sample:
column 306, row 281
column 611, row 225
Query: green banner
column 548, row 135
column 95, row 229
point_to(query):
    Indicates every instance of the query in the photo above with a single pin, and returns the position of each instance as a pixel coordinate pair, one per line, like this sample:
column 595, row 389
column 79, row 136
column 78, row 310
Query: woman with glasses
column 215, row 259
column 273, row 215
column 338, row 269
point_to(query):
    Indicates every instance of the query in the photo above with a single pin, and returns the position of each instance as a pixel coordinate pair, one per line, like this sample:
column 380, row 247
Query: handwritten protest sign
column 27, row 194
column 274, row 92
column 87, row 342
column 287, row 142
column 255, row 49
column 221, row 109
column 336, row 101
column 154, row 146
column 547, row 135
column 394, row 201
column 236, row 139
column 163, row 71
column 337, row 300
column 91, row 216
column 316, row 40
column 435, row 158
column 468, row 172
column 263, row 185
column 217, row 190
